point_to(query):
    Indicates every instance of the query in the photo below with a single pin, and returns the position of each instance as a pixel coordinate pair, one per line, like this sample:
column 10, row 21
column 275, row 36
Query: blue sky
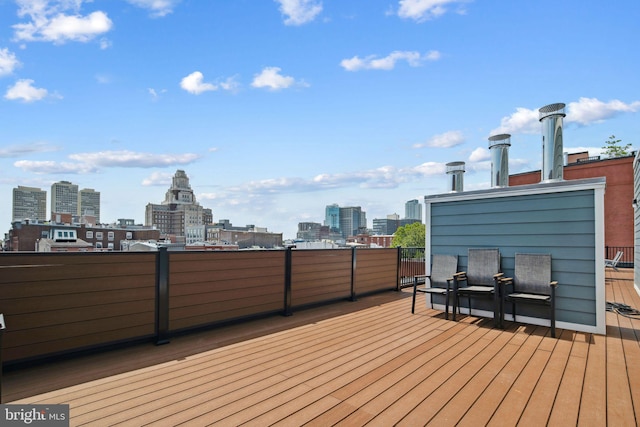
column 277, row 108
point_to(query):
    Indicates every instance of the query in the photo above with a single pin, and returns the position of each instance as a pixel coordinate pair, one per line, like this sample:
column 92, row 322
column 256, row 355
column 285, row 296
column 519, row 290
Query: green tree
column 612, row 149
column 410, row 236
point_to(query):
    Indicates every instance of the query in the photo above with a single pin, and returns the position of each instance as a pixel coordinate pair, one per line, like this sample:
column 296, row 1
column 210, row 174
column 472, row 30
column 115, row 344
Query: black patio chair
column 481, row 280
column 531, row 284
column 443, row 268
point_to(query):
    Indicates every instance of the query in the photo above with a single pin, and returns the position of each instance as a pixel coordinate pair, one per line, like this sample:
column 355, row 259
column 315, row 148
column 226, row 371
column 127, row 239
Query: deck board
column 365, row 364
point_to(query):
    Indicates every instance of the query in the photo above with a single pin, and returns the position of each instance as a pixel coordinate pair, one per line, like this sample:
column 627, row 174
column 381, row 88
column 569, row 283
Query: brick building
column 618, row 210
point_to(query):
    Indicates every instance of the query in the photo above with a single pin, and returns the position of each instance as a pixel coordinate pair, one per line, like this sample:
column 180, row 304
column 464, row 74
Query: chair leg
column 413, row 301
column 446, row 306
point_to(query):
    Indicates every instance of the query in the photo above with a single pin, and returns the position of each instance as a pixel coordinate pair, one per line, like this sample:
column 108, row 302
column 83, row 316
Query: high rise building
column 179, row 211
column 29, row 203
column 352, row 221
column 89, row 203
column 413, row 210
column 64, row 198
column 332, row 217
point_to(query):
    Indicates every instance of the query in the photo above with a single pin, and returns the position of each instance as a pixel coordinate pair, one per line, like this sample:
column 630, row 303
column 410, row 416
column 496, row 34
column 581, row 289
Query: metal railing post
column 399, row 268
column 287, row 283
column 162, row 296
column 2, row 328
column 353, row 274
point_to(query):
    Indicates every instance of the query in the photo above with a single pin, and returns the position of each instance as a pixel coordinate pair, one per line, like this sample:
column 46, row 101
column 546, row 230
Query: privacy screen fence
column 59, row 303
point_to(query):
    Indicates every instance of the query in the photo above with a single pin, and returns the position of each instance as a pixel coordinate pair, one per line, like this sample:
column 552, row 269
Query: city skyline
column 277, row 109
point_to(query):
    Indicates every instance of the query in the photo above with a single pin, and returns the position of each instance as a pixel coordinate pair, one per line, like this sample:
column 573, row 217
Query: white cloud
column 131, row 159
column 84, row 163
column 51, row 167
column 414, row 59
column 155, row 95
column 24, row 149
column 298, row 12
column 592, row 110
column 424, row 10
column 8, row 62
column 271, row 78
column 194, row 84
column 158, row 178
column 443, row 140
column 51, row 21
column 25, row 91
column 480, row 154
column 158, row 8
column 585, row 111
column 523, row 120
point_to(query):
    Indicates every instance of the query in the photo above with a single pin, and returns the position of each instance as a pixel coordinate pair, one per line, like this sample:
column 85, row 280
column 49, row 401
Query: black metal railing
column 411, row 264
column 627, row 255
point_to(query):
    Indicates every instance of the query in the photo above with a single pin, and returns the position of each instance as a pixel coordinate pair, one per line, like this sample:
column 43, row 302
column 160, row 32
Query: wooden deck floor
column 378, row 365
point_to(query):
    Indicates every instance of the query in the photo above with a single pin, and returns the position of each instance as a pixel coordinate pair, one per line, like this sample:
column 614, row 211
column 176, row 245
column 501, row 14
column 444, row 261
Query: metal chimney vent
column 499, row 147
column 456, row 170
column 552, row 157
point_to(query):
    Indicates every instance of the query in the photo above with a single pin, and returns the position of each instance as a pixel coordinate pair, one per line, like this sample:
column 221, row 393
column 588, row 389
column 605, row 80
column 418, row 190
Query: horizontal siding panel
column 562, row 224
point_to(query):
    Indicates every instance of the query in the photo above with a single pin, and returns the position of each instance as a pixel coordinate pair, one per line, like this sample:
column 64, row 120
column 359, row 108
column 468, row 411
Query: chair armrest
column 460, row 274
column 554, row 284
column 498, row 275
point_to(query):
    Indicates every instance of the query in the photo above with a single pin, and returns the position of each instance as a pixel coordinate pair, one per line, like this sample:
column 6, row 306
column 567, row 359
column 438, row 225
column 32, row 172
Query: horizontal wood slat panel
column 75, row 343
column 62, row 302
column 232, row 260
column 376, row 269
column 45, row 334
column 177, row 323
column 244, row 274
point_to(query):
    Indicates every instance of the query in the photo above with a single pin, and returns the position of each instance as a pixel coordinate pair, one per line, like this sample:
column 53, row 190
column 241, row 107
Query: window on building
column 89, row 234
column 99, row 235
column 129, row 235
column 110, row 235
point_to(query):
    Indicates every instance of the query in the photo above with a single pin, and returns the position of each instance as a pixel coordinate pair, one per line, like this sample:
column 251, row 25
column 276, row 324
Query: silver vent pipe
column 499, row 147
column 456, row 170
column 552, row 157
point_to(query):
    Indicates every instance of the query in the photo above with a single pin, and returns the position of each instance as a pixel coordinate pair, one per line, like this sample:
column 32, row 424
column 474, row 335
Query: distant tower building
column 89, row 203
column 179, row 212
column 64, row 198
column 413, row 210
column 352, row 220
column 332, row 217
column 29, row 203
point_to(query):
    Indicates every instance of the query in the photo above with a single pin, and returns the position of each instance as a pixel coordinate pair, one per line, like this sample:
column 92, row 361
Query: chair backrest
column 616, row 260
column 532, row 273
column 482, row 265
column 443, row 267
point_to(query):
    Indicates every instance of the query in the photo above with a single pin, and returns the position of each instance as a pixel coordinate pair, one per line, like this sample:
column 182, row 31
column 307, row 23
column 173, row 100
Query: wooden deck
column 355, row 363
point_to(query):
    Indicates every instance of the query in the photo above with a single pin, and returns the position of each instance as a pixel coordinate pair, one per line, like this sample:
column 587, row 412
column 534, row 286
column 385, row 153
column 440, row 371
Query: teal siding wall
column 562, row 224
